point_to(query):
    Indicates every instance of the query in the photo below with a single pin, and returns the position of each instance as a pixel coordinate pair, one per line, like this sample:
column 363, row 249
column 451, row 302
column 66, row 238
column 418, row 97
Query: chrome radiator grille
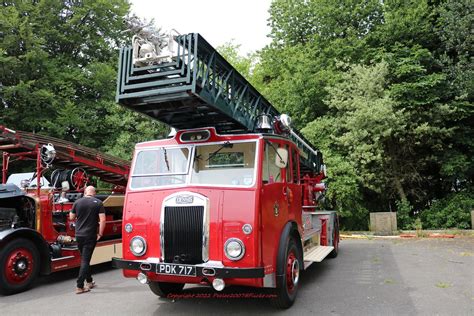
column 183, row 234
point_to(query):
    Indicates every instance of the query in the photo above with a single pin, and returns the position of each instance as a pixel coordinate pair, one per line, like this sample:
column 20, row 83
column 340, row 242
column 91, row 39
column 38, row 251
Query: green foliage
column 453, row 211
column 344, row 193
column 247, row 66
column 311, row 39
column 419, row 227
column 367, row 123
column 230, row 51
column 384, row 89
column 58, row 64
column 404, row 221
column 457, row 40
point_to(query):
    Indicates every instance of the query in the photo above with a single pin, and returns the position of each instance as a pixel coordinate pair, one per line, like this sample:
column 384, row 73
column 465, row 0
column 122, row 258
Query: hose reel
column 76, row 179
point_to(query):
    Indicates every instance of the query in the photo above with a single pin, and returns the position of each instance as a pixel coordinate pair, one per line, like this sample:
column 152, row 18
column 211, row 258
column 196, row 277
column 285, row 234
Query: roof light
column 195, row 136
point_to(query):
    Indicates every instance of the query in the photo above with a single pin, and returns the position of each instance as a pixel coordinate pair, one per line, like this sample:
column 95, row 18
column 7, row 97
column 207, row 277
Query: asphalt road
column 369, row 277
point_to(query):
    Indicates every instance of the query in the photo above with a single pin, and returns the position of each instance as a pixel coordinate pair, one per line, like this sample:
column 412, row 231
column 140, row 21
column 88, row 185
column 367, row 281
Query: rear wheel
column 162, row 289
column 19, row 266
column 288, row 282
column 335, row 241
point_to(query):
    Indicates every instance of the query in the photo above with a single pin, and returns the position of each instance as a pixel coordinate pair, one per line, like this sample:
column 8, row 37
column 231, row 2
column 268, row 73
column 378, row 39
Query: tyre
column 335, row 241
column 162, row 289
column 288, row 282
column 19, row 266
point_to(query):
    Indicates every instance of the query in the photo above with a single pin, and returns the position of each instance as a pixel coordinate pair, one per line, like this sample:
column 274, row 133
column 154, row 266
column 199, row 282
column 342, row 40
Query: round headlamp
column 234, row 249
column 138, row 246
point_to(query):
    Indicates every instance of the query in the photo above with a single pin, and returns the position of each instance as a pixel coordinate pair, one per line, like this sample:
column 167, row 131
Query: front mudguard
column 23, row 232
column 290, row 230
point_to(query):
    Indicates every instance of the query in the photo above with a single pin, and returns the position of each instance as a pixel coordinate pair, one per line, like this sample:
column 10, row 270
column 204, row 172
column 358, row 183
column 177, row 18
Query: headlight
column 138, row 246
column 234, row 249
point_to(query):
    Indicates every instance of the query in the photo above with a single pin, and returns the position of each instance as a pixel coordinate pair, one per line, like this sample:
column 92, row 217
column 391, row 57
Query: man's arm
column 101, row 223
column 72, row 213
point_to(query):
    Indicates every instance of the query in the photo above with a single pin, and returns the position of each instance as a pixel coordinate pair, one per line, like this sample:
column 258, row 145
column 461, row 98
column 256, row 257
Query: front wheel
column 19, row 264
column 162, row 289
column 288, row 282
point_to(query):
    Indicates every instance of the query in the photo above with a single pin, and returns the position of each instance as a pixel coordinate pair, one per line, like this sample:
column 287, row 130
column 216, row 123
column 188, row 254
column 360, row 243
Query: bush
column 404, row 221
column 454, row 211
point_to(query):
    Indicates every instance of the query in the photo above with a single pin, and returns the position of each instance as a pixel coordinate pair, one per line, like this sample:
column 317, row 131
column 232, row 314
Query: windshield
column 228, row 164
column 224, row 164
column 162, row 166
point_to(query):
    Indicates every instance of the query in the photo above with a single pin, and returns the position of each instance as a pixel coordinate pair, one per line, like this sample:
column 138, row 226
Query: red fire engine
column 229, row 199
column 36, row 235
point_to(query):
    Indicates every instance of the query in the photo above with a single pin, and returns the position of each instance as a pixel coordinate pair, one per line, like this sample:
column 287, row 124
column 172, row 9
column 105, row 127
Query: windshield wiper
column 166, row 159
column 225, row 145
column 276, row 151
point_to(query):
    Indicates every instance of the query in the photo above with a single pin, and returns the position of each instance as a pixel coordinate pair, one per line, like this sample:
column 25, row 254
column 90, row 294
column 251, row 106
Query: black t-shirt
column 87, row 210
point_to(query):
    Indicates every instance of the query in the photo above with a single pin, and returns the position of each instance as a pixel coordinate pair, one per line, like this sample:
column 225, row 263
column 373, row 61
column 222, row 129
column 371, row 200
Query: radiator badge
column 184, row 199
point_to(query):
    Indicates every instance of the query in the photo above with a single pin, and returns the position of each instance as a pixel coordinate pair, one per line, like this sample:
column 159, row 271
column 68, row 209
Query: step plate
column 317, row 254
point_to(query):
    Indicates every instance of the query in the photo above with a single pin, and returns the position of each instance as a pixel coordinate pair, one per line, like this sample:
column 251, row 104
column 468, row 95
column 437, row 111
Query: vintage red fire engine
column 36, row 235
column 231, row 197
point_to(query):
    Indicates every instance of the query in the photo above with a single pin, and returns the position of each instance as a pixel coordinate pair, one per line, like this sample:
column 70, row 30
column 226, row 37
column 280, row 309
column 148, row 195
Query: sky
column 218, row 21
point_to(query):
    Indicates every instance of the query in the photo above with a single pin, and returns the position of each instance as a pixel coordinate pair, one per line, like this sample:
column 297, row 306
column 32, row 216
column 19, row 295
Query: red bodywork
column 268, row 207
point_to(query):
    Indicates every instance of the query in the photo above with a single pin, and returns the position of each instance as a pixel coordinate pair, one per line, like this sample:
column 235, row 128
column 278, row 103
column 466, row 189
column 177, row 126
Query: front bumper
column 220, row 272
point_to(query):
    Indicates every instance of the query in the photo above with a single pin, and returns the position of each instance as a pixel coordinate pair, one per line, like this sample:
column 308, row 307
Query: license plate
column 175, row 269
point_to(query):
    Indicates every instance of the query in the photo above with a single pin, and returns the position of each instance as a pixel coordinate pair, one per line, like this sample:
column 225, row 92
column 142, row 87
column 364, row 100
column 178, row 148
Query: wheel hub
column 292, row 272
column 295, row 272
column 21, row 265
column 18, row 266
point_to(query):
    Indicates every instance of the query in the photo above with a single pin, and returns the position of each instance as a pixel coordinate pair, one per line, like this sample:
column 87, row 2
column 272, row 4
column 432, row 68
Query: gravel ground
column 369, row 277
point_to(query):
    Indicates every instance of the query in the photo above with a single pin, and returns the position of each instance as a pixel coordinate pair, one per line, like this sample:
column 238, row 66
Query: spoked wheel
column 162, row 289
column 288, row 283
column 79, row 178
column 19, row 262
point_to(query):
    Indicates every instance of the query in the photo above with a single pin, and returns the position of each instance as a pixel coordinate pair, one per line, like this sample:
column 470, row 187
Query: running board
column 316, row 254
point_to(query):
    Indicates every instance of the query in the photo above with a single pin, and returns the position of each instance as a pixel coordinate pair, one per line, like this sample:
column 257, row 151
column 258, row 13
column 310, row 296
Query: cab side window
column 271, row 173
column 295, row 165
column 289, row 175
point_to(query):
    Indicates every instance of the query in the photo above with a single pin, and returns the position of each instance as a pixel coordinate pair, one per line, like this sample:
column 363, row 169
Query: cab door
column 294, row 191
column 274, row 202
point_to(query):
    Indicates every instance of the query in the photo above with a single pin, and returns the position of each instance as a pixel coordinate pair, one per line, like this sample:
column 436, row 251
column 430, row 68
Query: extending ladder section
column 199, row 88
column 25, row 145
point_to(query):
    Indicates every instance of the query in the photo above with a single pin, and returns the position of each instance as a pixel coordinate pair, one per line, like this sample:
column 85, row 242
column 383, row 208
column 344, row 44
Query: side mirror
column 281, row 159
column 323, row 170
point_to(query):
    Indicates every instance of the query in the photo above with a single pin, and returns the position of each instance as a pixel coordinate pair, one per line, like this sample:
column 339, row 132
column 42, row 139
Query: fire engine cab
column 230, row 197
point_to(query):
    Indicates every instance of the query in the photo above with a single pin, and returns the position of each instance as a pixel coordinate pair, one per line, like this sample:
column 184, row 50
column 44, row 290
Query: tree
column 58, row 64
column 231, row 52
column 310, row 39
column 384, row 88
column 362, row 132
column 456, row 57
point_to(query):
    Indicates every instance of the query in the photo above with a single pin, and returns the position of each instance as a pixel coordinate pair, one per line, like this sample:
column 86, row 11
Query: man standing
column 88, row 210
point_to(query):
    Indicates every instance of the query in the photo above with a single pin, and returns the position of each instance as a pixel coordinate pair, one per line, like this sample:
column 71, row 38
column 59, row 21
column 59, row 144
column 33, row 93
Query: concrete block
column 383, row 223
